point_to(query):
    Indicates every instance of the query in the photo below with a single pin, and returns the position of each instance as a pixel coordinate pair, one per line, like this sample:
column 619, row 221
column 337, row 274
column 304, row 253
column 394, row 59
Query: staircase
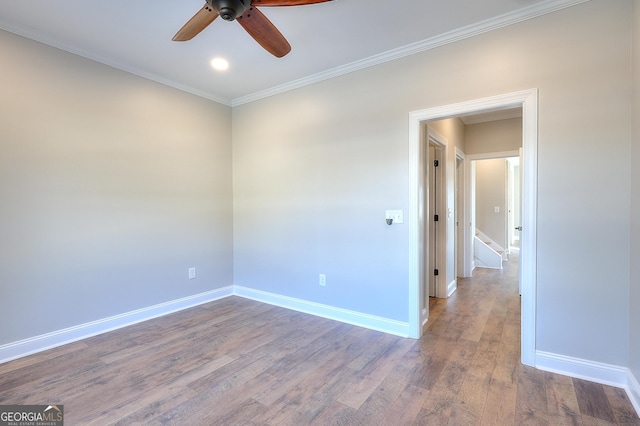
column 487, row 253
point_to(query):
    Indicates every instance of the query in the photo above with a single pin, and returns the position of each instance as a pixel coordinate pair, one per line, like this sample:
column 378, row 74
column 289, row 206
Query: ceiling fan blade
column 285, row 2
column 197, row 23
column 264, row 32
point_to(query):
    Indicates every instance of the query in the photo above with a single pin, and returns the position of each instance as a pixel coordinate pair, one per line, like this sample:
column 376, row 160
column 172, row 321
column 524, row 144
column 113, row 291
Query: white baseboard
column 451, row 287
column 373, row 322
column 46, row 341
column 57, row 338
column 574, row 367
column 606, row 374
column 633, row 390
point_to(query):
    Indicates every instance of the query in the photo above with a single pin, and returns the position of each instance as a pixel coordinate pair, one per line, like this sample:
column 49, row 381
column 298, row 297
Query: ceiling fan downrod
column 229, row 10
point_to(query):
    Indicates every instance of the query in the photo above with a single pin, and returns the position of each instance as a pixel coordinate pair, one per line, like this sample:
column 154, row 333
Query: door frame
column 463, row 266
column 442, row 202
column 528, row 100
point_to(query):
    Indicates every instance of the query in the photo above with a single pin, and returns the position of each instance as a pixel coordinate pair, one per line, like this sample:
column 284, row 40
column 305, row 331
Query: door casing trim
column 528, row 100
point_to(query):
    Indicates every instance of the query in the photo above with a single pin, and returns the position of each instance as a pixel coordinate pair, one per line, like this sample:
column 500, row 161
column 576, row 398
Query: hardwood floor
column 240, row 362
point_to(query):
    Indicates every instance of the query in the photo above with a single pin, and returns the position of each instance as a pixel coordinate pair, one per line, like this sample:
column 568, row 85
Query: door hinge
column 436, row 163
column 435, row 218
column 435, row 272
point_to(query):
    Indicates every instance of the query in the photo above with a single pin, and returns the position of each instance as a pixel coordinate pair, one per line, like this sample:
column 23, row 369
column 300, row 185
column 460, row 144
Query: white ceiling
column 327, row 39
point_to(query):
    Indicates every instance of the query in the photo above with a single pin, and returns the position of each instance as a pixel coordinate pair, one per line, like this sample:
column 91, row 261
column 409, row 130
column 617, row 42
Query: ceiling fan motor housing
column 229, row 10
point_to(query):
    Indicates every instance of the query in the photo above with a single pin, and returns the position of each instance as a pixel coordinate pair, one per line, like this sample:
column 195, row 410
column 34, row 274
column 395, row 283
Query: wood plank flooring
column 240, row 362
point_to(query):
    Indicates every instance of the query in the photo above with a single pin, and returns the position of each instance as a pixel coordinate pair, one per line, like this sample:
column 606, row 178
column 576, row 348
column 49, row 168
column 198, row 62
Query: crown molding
column 463, row 33
column 469, row 31
column 33, row 35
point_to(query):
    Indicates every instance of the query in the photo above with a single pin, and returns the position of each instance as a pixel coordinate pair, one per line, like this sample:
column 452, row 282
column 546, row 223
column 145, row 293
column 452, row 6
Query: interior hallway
column 237, row 361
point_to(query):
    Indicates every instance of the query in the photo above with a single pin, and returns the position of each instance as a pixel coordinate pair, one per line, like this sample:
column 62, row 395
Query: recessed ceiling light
column 219, row 64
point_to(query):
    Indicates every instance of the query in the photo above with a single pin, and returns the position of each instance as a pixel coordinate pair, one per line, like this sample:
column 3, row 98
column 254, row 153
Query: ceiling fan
column 247, row 15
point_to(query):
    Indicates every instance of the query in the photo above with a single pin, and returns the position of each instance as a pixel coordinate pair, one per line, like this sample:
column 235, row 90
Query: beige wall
column 111, row 187
column 634, row 300
column 491, row 178
column 321, row 164
column 493, row 136
column 452, row 129
column 491, row 192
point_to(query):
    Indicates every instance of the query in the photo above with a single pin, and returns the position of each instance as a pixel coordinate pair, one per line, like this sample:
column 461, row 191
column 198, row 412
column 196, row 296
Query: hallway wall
column 493, row 136
column 491, row 193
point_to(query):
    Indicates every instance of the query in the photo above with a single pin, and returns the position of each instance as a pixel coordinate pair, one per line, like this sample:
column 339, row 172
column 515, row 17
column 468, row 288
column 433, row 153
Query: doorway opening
column 495, row 207
column 513, row 203
column 418, row 130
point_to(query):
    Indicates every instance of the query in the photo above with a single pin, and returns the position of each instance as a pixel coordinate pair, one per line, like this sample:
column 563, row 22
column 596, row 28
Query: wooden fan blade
column 285, row 2
column 197, row 23
column 264, row 32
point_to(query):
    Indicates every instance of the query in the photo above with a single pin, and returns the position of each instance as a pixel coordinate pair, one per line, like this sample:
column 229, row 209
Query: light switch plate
column 396, row 215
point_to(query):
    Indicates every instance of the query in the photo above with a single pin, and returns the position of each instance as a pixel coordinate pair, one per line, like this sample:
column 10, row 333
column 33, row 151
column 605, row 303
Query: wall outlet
column 192, row 273
column 322, row 280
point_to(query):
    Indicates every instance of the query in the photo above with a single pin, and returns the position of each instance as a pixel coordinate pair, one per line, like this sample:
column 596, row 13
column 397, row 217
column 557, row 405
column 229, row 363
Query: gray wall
column 634, row 300
column 315, row 168
column 491, row 192
column 491, row 178
column 111, row 187
column 493, row 136
column 452, row 129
